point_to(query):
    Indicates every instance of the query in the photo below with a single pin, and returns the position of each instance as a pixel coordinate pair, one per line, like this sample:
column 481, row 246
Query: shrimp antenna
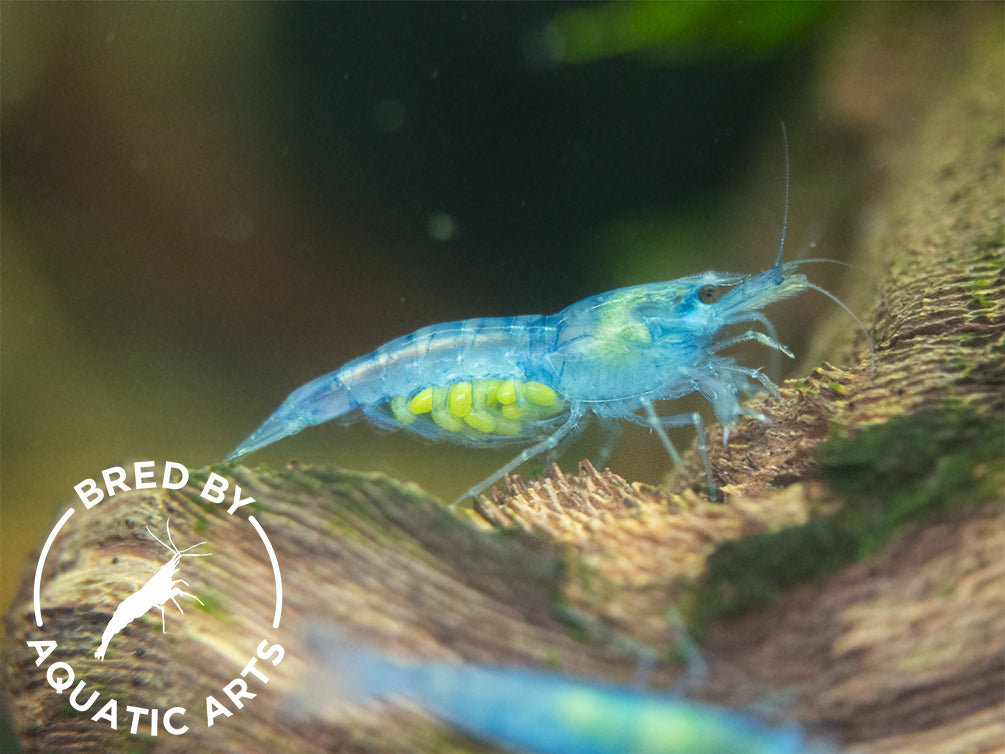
column 785, row 215
column 794, row 264
column 839, row 302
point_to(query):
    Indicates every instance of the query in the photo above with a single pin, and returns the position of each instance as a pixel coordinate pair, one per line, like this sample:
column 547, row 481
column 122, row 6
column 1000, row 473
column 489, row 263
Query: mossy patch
column 212, row 604
column 912, row 469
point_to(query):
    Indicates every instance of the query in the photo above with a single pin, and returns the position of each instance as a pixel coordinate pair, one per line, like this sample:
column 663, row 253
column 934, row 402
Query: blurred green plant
column 673, row 32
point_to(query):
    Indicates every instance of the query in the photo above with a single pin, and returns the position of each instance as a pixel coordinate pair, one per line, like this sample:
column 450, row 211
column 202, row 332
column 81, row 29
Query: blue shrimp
column 534, row 710
column 533, row 379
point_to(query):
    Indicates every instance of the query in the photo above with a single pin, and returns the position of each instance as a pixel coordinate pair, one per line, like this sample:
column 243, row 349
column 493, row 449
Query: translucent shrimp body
column 534, row 379
column 535, row 710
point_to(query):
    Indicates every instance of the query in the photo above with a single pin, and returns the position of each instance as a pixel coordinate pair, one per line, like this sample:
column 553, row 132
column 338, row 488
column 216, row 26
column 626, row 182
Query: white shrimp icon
column 159, row 589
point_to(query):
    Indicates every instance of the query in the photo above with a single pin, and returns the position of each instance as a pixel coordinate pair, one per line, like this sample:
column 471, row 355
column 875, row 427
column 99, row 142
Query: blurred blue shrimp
column 534, row 379
column 533, row 710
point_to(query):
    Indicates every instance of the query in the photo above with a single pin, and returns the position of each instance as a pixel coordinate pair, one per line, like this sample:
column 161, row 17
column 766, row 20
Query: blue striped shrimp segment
column 534, row 710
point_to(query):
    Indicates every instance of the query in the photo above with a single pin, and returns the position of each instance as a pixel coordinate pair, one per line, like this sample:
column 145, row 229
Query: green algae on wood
column 909, row 470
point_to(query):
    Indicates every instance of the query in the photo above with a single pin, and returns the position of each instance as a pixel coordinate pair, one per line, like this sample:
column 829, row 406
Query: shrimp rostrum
column 534, row 379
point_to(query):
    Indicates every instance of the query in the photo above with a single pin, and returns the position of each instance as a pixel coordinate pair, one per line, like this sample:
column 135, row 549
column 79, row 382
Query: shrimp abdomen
column 477, row 381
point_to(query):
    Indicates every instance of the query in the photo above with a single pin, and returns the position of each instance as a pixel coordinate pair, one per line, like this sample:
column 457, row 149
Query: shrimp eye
column 709, row 294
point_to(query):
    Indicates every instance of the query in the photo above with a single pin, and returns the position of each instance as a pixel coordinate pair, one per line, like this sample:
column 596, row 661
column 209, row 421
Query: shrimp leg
column 760, row 337
column 576, row 413
column 612, row 431
column 659, row 425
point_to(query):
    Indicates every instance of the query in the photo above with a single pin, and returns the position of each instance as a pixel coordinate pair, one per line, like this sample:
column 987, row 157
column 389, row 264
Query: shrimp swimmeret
column 534, row 379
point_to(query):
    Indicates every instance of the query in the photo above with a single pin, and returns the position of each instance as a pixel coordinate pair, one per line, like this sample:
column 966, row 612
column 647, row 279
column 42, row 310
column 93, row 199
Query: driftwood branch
column 853, row 577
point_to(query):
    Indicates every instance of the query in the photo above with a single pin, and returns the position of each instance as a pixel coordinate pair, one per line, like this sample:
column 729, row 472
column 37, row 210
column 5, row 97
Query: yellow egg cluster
column 486, row 407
